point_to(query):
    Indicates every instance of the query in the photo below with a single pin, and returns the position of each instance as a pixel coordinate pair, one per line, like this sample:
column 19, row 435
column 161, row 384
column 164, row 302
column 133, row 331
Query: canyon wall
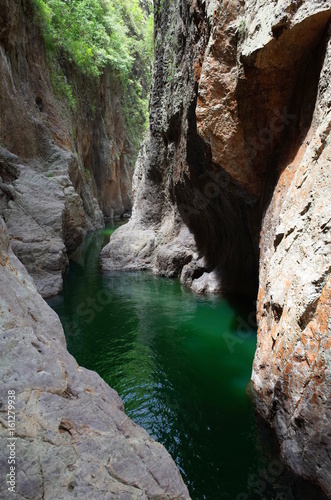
column 292, row 367
column 64, row 160
column 232, row 192
column 190, row 216
column 65, row 164
column 73, row 439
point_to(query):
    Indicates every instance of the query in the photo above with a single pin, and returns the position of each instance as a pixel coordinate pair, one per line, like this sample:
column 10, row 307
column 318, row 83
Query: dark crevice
column 309, row 313
column 66, row 427
column 277, row 310
column 306, row 209
column 225, row 218
column 37, row 346
column 300, row 106
column 39, row 103
column 220, row 214
column 278, row 240
column 299, row 422
column 280, row 27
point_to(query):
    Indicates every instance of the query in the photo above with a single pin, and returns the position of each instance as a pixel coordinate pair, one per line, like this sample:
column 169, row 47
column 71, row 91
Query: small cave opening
column 226, row 218
column 40, row 104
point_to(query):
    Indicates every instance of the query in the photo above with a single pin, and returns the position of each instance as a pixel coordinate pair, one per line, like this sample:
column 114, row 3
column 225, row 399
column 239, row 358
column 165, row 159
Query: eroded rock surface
column 292, row 368
column 73, row 164
column 239, row 153
column 176, row 183
column 73, row 437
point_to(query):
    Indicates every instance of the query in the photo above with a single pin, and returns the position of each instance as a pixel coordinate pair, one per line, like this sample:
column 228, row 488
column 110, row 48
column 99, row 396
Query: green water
column 181, row 363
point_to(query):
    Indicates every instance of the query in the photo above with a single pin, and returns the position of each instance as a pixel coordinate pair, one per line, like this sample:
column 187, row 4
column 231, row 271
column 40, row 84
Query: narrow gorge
column 230, row 195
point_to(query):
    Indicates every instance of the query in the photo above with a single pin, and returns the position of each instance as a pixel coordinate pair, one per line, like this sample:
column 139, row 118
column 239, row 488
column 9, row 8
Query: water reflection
column 181, row 364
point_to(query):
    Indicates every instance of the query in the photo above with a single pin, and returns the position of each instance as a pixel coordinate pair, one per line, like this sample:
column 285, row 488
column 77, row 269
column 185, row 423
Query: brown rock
column 84, row 154
column 239, row 151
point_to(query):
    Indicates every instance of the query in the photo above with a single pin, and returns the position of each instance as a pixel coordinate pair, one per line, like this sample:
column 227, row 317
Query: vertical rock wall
column 61, row 169
column 190, row 216
column 292, row 367
column 235, row 175
column 72, row 437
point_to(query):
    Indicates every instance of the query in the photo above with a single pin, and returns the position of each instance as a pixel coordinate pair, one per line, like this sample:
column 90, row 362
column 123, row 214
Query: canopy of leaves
column 99, row 34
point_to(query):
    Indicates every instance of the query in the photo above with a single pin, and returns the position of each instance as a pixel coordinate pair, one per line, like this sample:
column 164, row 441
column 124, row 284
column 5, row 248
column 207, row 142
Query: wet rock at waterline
column 73, row 437
column 292, row 368
column 231, row 194
column 239, row 153
column 176, row 186
column 73, row 163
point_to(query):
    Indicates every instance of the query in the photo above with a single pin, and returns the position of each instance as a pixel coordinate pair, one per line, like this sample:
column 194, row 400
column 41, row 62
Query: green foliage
column 91, row 33
column 135, row 107
column 87, row 174
column 98, row 34
column 242, row 29
column 62, row 88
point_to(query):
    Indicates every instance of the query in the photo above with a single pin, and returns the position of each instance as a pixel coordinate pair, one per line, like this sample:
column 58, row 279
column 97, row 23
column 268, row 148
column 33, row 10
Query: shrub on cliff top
column 93, row 33
column 99, row 34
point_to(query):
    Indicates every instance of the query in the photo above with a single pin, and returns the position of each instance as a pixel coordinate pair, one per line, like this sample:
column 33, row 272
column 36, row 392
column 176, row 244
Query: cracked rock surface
column 73, row 437
column 239, row 153
column 292, row 367
column 61, row 170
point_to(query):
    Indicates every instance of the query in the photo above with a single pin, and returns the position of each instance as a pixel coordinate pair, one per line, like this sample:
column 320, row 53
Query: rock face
column 292, row 368
column 61, row 169
column 73, row 437
column 177, row 187
column 235, row 176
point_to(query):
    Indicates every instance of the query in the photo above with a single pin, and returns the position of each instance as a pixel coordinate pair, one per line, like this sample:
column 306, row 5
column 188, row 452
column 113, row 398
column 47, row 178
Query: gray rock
column 208, row 283
column 83, row 152
column 73, row 437
column 175, row 186
column 239, row 152
column 292, row 366
column 34, row 214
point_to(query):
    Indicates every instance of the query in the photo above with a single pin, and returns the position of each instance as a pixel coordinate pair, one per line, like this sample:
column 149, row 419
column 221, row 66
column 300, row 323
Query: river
column 181, row 364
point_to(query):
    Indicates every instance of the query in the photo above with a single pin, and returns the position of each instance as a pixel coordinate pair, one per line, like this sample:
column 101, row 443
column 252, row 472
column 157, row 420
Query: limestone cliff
column 61, row 169
column 235, row 177
column 73, row 439
column 190, row 217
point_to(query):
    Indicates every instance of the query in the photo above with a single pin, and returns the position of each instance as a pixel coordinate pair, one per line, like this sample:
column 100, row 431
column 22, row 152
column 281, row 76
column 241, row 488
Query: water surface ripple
column 181, row 363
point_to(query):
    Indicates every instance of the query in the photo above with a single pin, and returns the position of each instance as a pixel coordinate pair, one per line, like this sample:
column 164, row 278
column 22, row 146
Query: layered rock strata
column 235, row 175
column 292, row 367
column 73, row 439
column 61, row 169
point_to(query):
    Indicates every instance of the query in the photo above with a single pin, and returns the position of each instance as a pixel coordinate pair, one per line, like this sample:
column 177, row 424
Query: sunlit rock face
column 233, row 183
column 72, row 435
column 292, row 368
column 60, row 170
column 187, row 209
